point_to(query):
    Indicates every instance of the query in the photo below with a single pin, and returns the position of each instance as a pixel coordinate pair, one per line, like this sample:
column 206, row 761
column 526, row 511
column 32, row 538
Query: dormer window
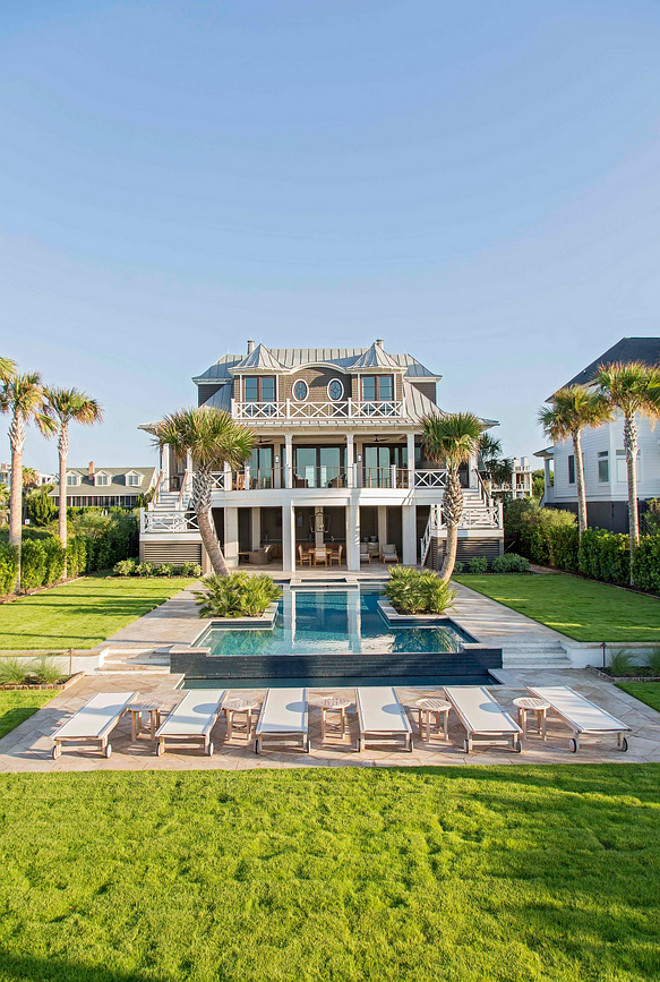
column 258, row 388
column 101, row 480
column 73, row 480
column 133, row 479
column 377, row 388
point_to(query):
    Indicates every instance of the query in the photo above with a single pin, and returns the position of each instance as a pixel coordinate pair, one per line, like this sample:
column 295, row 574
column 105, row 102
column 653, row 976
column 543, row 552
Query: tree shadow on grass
column 57, row 970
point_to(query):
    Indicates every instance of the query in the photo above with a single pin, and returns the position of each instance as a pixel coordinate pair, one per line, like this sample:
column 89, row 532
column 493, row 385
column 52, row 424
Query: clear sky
column 475, row 182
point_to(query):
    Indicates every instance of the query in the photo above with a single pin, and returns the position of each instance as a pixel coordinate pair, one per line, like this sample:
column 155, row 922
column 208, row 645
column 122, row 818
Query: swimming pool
column 312, row 622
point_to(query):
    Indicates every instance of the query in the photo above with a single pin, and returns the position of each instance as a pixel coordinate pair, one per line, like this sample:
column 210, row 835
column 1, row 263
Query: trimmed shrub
column 414, row 591
column 54, row 560
column 478, row 565
column 510, row 562
column 237, row 595
column 33, row 564
column 604, row 556
column 125, row 567
column 144, row 569
column 8, row 568
column 646, row 565
column 165, row 569
column 188, row 569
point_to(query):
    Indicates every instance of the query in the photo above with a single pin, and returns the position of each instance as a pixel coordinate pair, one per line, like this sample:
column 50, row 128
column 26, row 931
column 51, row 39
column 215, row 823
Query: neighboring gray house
column 604, row 457
column 106, row 487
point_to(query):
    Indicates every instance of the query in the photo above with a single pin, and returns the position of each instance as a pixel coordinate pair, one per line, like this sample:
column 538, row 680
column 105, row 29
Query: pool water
column 311, row 622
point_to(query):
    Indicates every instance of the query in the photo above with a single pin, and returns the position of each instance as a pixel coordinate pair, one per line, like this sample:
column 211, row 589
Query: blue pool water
column 311, row 622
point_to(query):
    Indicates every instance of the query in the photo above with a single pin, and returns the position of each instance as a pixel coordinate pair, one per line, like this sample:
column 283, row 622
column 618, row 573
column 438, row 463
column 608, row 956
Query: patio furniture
column 283, row 717
column 241, row 707
column 580, row 714
column 320, row 556
column 94, row 721
column 381, row 716
column 304, row 556
column 525, row 704
column 192, row 720
column 365, row 555
column 430, row 711
column 140, row 709
column 483, row 717
column 261, row 556
column 389, row 554
column 243, row 556
column 335, row 555
column 333, row 706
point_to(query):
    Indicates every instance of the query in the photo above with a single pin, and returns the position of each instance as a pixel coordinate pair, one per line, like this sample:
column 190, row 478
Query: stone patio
column 28, row 747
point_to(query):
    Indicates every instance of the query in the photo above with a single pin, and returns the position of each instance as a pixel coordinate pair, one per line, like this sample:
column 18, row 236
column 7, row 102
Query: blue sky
column 476, row 183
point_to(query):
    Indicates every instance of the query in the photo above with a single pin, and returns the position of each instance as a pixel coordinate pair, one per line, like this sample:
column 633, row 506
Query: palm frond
column 451, row 439
column 212, row 438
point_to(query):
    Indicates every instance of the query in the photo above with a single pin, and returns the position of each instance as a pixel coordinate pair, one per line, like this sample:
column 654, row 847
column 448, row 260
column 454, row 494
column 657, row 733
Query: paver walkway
column 28, row 747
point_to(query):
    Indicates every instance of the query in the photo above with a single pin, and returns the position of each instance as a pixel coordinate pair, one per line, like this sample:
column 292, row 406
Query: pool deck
column 28, row 747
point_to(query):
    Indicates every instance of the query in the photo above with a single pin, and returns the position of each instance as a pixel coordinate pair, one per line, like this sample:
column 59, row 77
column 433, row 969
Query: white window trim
column 343, row 390
column 133, row 484
column 76, row 479
column 293, row 390
column 101, row 484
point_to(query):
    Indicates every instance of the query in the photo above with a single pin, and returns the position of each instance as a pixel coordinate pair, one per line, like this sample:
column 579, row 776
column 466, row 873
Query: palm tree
column 573, row 408
column 7, row 369
column 451, row 441
column 212, row 439
column 22, row 396
column 65, row 406
column 631, row 388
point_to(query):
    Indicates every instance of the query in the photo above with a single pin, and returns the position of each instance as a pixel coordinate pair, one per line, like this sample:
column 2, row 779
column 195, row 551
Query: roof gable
column 261, row 359
column 646, row 350
column 375, row 357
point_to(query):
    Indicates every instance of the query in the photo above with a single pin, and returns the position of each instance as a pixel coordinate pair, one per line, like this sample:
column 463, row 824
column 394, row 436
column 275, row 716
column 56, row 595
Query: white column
column 410, row 443
column 353, row 533
column 382, row 526
column 255, row 516
column 409, row 528
column 227, row 473
column 288, row 460
column 231, row 536
column 350, row 457
column 288, row 538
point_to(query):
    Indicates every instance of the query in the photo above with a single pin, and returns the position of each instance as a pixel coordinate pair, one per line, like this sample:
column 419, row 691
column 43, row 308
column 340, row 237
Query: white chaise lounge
column 381, row 716
column 192, row 720
column 94, row 721
column 283, row 717
column 580, row 714
column 483, row 718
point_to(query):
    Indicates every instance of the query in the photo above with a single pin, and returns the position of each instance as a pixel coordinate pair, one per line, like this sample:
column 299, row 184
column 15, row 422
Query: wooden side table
column 243, row 709
column 137, row 710
column 429, row 710
column 527, row 704
column 333, row 706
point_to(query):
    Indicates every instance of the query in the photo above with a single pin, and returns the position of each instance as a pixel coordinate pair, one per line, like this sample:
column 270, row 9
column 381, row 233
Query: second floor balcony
column 353, row 476
column 298, row 413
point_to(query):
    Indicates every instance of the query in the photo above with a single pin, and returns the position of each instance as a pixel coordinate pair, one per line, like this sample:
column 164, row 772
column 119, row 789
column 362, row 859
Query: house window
column 133, row 480
column 571, row 469
column 621, row 470
column 257, row 388
column 336, row 390
column 102, row 480
column 72, row 480
column 377, row 388
column 300, row 390
column 603, row 467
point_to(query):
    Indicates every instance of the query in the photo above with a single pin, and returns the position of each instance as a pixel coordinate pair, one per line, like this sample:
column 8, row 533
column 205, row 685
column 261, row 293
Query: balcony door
column 378, row 462
column 319, row 467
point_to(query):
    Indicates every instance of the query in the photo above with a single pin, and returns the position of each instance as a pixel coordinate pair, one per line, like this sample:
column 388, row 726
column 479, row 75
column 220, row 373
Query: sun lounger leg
column 621, row 742
column 574, row 743
column 160, row 747
column 57, row 750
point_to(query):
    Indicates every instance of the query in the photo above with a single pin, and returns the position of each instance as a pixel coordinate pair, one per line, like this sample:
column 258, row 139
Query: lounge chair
column 389, row 554
column 580, row 714
column 483, row 717
column 381, row 716
column 283, row 716
column 193, row 719
column 365, row 555
column 94, row 721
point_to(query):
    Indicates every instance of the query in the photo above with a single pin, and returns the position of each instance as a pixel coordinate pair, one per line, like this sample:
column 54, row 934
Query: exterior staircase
column 528, row 655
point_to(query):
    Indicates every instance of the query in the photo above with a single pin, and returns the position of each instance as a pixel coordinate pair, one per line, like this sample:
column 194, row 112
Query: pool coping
column 265, row 620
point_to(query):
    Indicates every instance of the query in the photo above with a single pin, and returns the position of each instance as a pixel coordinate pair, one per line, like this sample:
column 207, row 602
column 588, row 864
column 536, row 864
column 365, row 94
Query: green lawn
column 462, row 874
column 648, row 692
column 19, row 704
column 83, row 613
column 581, row 609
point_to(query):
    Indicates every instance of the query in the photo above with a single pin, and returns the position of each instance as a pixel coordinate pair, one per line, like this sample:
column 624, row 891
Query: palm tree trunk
column 579, row 482
column 452, row 506
column 631, row 445
column 201, row 501
column 17, row 442
column 63, row 449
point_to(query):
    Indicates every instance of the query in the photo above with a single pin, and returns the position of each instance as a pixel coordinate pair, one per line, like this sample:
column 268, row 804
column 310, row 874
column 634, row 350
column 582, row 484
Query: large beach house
column 338, row 473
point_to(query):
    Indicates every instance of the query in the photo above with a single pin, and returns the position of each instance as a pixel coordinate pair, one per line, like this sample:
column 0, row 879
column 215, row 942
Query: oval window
column 336, row 390
column 300, row 390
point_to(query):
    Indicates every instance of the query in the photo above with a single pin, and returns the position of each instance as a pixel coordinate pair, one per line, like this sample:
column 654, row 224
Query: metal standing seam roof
column 289, row 359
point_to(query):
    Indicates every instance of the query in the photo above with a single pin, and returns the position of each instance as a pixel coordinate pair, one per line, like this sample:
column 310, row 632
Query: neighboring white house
column 338, row 464
column 521, row 483
column 105, row 487
column 604, row 456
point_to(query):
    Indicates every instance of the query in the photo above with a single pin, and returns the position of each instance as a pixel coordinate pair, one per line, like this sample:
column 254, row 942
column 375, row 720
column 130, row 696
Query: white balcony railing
column 346, row 409
column 167, row 521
